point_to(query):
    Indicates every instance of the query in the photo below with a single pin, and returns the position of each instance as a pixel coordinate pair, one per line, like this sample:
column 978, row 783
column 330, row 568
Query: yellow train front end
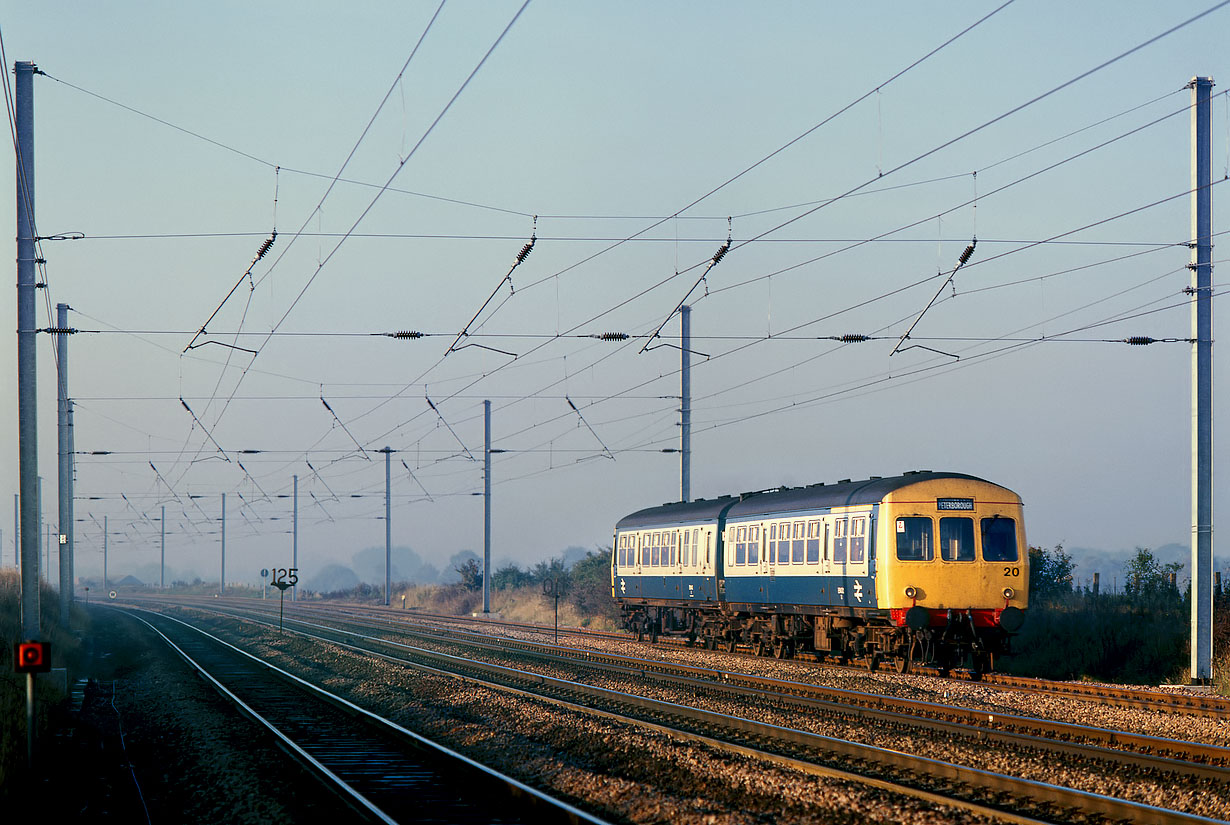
column 953, row 569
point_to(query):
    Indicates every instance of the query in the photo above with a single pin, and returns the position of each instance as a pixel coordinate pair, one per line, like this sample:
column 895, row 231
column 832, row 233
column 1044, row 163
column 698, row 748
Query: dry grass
column 519, row 604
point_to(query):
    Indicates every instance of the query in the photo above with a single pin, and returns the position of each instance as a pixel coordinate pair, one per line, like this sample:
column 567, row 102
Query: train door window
column 707, row 540
column 741, row 545
column 695, row 547
column 999, row 539
column 771, row 541
column 839, row 541
column 644, row 549
column 798, row 543
column 813, row 542
column 914, row 538
column 858, row 540
column 957, row 538
column 674, row 545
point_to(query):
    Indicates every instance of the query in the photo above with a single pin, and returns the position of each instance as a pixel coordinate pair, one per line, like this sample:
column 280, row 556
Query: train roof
column 844, row 493
column 679, row 512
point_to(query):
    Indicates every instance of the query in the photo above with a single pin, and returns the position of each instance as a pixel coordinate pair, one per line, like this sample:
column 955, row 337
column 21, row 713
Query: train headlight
column 1009, row 592
column 911, row 592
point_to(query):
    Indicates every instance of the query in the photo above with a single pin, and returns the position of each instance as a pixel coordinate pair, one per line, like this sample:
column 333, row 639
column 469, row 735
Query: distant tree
column 471, row 574
column 1148, row 580
column 1050, row 574
column 510, row 576
column 591, row 586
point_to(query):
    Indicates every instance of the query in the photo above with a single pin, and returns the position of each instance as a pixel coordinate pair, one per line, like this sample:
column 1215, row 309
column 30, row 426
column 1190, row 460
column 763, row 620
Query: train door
column 841, row 530
column 858, row 584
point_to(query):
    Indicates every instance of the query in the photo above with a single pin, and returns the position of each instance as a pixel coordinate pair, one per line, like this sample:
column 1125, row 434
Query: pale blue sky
column 602, row 119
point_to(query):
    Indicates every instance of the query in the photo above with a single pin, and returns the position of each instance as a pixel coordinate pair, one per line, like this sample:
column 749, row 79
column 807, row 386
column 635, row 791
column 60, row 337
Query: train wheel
column 873, row 662
column 903, row 661
column 732, row 644
column 782, row 649
column 762, row 647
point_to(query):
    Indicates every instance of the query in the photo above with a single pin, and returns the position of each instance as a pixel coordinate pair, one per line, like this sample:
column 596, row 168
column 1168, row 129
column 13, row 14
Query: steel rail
column 1178, row 756
column 545, row 807
column 1187, row 758
column 723, row 726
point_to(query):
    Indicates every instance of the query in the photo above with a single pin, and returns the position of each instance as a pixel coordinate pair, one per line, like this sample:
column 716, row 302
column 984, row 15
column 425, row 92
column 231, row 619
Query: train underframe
column 848, row 636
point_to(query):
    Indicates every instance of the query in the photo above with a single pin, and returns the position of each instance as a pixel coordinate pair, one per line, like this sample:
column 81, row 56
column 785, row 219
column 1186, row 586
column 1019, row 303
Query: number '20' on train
column 926, row 568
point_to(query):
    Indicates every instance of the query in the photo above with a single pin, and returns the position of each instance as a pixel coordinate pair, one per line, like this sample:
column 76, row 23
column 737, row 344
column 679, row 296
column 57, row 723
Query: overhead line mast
column 1201, row 290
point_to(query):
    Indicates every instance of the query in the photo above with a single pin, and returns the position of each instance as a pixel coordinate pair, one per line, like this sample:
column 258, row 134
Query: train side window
column 813, row 542
column 999, row 539
column 839, row 541
column 644, row 549
column 741, row 545
column 799, row 542
column 674, row 547
column 956, row 538
column 753, row 544
column 915, row 538
column 858, row 539
column 655, row 549
column 695, row 546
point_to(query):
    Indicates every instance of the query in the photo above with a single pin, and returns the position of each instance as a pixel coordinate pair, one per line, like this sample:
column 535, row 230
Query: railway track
column 809, row 751
column 384, row 772
column 1198, row 704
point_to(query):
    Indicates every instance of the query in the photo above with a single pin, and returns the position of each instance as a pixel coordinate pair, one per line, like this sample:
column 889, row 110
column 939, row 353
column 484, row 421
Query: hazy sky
column 177, row 137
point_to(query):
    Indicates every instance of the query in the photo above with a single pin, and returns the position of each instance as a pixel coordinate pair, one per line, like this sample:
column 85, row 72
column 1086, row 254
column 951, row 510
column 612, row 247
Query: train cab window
column 753, row 544
column 858, row 540
column 839, row 541
column 915, row 539
column 798, row 543
column 813, row 542
column 956, row 539
column 999, row 539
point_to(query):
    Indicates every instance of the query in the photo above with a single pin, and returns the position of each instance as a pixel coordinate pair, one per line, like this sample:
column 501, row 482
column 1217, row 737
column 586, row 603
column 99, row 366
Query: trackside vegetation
column 1138, row 636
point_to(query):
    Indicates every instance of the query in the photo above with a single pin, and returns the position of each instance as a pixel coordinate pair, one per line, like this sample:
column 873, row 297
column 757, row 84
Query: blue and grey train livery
column 922, row 567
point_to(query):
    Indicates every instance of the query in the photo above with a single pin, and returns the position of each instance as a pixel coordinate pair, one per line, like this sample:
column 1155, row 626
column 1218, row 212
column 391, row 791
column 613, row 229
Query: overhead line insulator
column 852, row 338
column 612, row 336
column 965, row 256
column 404, row 334
column 267, row 245
column 1139, row 340
column 526, row 250
column 721, row 253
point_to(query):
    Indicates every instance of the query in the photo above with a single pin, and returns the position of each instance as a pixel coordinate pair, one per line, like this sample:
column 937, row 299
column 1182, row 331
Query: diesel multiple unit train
column 922, row 568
